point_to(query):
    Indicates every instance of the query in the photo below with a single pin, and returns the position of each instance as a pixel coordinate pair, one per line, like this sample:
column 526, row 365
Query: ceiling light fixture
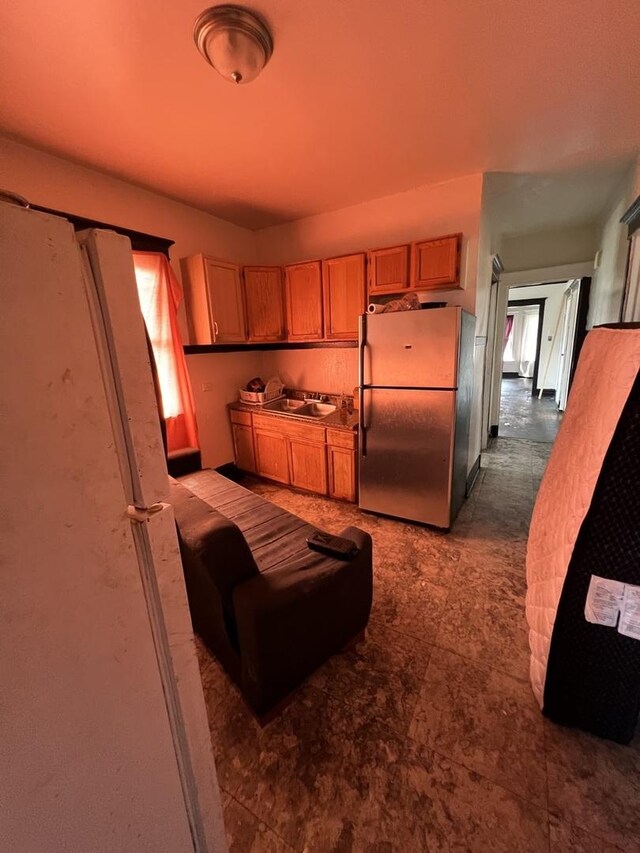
column 235, row 41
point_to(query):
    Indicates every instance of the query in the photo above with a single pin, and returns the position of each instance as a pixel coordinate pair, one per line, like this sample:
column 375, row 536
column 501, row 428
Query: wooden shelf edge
column 195, row 349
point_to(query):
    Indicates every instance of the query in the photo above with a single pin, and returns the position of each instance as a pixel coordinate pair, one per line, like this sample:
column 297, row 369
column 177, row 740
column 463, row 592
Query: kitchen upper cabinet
column 435, row 264
column 343, row 284
column 272, row 459
column 214, row 301
column 264, row 301
column 308, row 465
column 303, row 285
column 388, row 269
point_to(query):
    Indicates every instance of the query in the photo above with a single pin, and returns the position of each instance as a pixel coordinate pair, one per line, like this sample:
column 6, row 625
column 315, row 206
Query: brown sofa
column 270, row 609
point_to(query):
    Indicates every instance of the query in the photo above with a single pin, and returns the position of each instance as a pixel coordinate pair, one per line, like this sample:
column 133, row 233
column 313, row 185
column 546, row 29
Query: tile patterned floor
column 524, row 416
column 426, row 736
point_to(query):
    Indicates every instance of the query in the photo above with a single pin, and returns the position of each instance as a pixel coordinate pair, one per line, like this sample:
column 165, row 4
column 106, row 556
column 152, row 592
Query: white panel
column 112, row 267
column 85, row 733
column 164, row 581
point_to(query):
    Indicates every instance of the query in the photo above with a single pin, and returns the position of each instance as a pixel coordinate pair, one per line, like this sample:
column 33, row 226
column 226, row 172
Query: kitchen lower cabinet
column 342, row 473
column 243, row 447
column 342, row 464
column 308, row 465
column 297, row 453
column 272, row 458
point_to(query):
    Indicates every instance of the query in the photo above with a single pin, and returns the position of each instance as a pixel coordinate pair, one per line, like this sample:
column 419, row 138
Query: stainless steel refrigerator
column 415, row 388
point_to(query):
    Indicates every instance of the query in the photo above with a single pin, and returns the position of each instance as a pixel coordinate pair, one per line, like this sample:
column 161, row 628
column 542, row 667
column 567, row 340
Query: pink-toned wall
column 429, row 211
column 331, row 371
column 53, row 182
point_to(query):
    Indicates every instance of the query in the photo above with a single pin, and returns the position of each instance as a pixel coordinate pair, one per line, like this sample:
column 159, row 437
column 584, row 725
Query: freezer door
column 406, row 447
column 412, row 349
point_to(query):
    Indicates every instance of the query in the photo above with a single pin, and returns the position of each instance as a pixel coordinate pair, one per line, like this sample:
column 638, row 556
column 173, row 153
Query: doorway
column 523, row 339
column 536, row 349
column 530, row 363
column 524, row 412
column 574, row 331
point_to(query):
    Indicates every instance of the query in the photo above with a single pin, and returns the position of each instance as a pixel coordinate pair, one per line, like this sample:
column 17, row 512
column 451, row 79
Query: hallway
column 426, row 736
column 525, row 416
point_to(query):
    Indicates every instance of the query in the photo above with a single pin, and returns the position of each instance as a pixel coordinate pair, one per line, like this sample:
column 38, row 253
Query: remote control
column 334, row 546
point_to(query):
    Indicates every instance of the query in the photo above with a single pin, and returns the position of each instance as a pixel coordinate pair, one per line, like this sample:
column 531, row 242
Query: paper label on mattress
column 604, row 601
column 630, row 612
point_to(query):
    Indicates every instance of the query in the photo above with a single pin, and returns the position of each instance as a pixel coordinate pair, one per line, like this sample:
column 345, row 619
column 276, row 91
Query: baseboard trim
column 472, row 476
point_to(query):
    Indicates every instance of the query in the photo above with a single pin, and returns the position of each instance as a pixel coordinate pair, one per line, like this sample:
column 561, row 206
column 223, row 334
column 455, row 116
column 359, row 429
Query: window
column 159, row 294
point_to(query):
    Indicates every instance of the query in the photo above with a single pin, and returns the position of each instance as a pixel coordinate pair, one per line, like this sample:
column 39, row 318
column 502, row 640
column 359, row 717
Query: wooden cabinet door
column 308, row 465
column 342, row 473
column 264, row 303
column 226, row 302
column 343, row 285
column 243, row 447
column 196, row 300
column 271, row 455
column 388, row 270
column 436, row 263
column 303, row 284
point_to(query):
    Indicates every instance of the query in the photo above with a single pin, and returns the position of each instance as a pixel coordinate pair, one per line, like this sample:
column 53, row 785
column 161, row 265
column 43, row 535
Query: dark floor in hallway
column 525, row 416
column 426, row 736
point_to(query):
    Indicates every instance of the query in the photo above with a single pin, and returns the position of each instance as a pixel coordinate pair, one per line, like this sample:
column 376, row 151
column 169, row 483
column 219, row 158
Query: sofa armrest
column 292, row 618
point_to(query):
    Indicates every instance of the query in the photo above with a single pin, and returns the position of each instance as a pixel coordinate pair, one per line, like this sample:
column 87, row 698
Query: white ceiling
column 525, row 203
column 362, row 98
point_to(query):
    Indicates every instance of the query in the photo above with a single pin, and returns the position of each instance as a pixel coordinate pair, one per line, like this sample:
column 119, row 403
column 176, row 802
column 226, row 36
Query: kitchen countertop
column 340, row 419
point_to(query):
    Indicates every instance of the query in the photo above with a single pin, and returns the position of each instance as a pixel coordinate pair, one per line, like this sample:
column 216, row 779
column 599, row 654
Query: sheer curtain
column 529, row 343
column 521, row 346
column 159, row 293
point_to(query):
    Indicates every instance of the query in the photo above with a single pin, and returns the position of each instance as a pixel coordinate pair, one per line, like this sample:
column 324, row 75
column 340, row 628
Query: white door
column 631, row 306
column 89, row 745
column 567, row 342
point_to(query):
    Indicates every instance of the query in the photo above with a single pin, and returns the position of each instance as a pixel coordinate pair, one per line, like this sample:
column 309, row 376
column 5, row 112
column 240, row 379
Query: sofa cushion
column 274, row 535
column 214, row 539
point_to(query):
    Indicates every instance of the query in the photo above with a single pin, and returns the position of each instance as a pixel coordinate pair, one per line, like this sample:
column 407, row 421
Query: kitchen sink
column 285, row 405
column 300, row 409
column 316, row 410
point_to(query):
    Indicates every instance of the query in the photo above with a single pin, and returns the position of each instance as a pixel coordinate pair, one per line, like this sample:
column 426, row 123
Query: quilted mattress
column 605, row 377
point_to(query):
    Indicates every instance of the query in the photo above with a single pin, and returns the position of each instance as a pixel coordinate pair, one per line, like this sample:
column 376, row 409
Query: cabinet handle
column 215, row 329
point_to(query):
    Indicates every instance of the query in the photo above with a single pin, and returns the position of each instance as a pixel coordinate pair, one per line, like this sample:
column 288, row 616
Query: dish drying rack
column 272, row 391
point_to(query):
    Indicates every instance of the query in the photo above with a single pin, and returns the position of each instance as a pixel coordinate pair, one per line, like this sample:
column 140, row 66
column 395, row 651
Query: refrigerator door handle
column 361, row 382
column 361, row 349
column 141, row 514
column 363, row 423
